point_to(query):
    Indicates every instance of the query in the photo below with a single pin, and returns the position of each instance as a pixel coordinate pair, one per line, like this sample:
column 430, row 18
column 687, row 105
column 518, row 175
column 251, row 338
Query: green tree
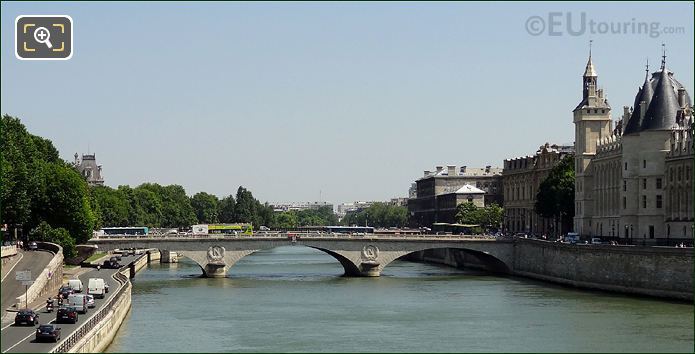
column 378, row 215
column 205, row 207
column 469, row 214
column 555, row 197
column 285, row 220
column 67, row 204
column 44, row 232
column 113, row 206
column 245, row 209
column 226, row 209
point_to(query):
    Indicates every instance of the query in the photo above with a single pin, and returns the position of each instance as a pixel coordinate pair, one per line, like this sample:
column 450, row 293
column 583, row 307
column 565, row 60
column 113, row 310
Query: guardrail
column 85, row 328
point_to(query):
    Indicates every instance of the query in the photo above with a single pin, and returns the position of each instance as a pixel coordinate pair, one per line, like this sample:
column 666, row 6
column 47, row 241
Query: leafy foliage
column 379, row 215
column 555, row 197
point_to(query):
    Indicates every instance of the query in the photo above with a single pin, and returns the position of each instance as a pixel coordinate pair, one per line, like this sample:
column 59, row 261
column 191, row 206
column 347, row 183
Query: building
column 298, row 206
column 439, row 192
column 89, row 169
column 521, row 178
column 356, row 206
column 400, row 201
column 634, row 181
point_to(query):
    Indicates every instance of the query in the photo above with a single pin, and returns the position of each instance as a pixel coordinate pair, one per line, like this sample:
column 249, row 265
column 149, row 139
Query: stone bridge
column 359, row 255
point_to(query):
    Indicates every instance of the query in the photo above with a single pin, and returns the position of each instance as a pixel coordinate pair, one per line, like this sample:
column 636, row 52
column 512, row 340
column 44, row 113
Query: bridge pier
column 215, row 270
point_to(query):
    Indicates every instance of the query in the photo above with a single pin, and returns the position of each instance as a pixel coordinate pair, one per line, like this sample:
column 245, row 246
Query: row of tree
column 378, row 215
column 38, row 188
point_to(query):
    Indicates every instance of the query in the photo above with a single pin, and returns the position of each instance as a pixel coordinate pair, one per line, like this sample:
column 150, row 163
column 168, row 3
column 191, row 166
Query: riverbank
column 662, row 272
column 100, row 331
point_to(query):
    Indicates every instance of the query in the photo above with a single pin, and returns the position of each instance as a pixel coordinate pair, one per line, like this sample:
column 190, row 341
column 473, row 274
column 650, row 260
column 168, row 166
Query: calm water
column 293, row 299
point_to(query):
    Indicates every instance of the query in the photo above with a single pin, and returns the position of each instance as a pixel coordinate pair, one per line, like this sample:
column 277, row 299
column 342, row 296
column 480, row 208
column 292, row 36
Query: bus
column 338, row 229
column 127, row 230
column 226, row 229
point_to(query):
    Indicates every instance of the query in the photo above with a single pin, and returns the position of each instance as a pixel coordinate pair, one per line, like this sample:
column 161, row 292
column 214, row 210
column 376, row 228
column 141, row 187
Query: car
column 111, row 264
column 67, row 314
column 26, row 317
column 117, row 256
column 33, row 246
column 65, row 291
column 90, row 301
column 48, row 331
column 596, row 241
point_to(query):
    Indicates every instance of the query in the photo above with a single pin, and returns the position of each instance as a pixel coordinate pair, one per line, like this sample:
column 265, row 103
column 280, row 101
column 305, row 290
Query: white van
column 96, row 287
column 76, row 285
column 79, row 302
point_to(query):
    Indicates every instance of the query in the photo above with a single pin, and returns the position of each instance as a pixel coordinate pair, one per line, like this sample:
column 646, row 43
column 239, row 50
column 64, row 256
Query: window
column 680, row 174
column 658, row 183
column 624, row 203
column 659, row 201
column 644, row 163
column 624, row 186
column 651, row 231
column 670, row 174
column 644, row 201
column 644, row 183
column 668, row 230
column 626, row 166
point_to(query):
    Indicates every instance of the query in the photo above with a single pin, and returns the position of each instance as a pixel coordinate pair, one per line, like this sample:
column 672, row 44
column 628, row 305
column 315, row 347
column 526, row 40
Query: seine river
column 293, row 299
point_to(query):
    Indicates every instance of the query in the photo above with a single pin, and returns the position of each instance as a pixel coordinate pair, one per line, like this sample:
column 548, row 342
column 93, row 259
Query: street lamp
column 626, row 227
column 632, row 231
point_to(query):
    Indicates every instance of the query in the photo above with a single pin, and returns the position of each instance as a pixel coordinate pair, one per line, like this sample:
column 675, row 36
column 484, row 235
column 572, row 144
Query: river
column 293, row 299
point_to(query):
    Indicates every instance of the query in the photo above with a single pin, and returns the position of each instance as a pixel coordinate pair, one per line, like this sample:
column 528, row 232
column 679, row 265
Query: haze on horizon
column 330, row 101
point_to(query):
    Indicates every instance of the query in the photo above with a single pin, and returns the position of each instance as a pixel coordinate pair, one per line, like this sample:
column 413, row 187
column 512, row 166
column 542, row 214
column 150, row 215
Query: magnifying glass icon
column 42, row 35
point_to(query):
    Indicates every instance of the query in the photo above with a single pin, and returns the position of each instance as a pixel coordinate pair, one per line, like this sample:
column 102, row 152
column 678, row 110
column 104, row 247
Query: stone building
column 89, row 169
column 439, row 192
column 627, row 177
column 520, row 180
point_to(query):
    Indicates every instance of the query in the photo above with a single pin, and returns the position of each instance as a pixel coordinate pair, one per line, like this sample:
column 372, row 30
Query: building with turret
column 634, row 177
column 89, row 169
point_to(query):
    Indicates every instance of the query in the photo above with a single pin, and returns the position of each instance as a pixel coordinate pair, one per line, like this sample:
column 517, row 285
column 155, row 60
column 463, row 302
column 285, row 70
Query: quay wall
column 49, row 280
column 664, row 272
column 106, row 324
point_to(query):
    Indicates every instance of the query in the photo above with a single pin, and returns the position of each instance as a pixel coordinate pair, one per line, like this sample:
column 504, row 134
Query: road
column 22, row 339
column 35, row 261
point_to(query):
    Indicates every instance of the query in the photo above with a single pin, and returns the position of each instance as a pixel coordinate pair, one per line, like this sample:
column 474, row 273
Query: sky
column 334, row 102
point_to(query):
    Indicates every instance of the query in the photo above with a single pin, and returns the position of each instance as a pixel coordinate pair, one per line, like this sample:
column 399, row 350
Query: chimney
column 451, row 170
column 439, row 169
column 487, row 169
column 681, row 97
column 463, row 169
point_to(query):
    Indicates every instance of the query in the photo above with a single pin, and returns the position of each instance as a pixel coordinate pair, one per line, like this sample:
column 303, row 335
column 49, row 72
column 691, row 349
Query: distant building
column 412, row 191
column 398, row 201
column 89, row 169
column 440, row 192
column 520, row 180
column 357, row 206
column 298, row 206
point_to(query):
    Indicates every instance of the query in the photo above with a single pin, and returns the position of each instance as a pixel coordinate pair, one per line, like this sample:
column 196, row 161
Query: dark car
column 67, row 314
column 111, row 264
column 117, row 256
column 26, row 317
column 48, row 332
column 65, row 291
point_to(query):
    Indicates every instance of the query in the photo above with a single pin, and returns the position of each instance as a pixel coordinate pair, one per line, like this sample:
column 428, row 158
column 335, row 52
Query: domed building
column 634, row 180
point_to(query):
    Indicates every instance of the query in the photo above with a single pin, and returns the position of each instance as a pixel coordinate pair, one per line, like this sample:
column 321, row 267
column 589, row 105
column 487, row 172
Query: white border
column 72, row 34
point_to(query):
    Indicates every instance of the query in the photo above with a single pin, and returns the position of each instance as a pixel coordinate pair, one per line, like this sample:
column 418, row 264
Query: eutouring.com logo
column 572, row 24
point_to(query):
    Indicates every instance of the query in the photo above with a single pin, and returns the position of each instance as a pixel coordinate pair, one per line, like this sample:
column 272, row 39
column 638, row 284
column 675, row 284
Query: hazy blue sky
column 350, row 100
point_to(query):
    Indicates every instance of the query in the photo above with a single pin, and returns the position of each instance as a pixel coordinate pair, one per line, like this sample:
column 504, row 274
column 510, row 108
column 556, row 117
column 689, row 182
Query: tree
column 285, row 220
column 226, row 209
column 555, row 197
column 378, row 215
column 67, row 204
column 205, row 207
column 245, row 209
column 44, row 232
column 113, row 206
column 469, row 214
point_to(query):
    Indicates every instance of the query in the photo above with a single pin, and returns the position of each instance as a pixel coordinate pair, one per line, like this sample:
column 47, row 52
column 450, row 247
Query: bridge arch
column 232, row 257
column 456, row 257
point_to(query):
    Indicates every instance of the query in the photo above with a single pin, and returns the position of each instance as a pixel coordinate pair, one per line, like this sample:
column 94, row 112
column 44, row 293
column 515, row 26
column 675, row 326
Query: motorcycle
column 49, row 306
